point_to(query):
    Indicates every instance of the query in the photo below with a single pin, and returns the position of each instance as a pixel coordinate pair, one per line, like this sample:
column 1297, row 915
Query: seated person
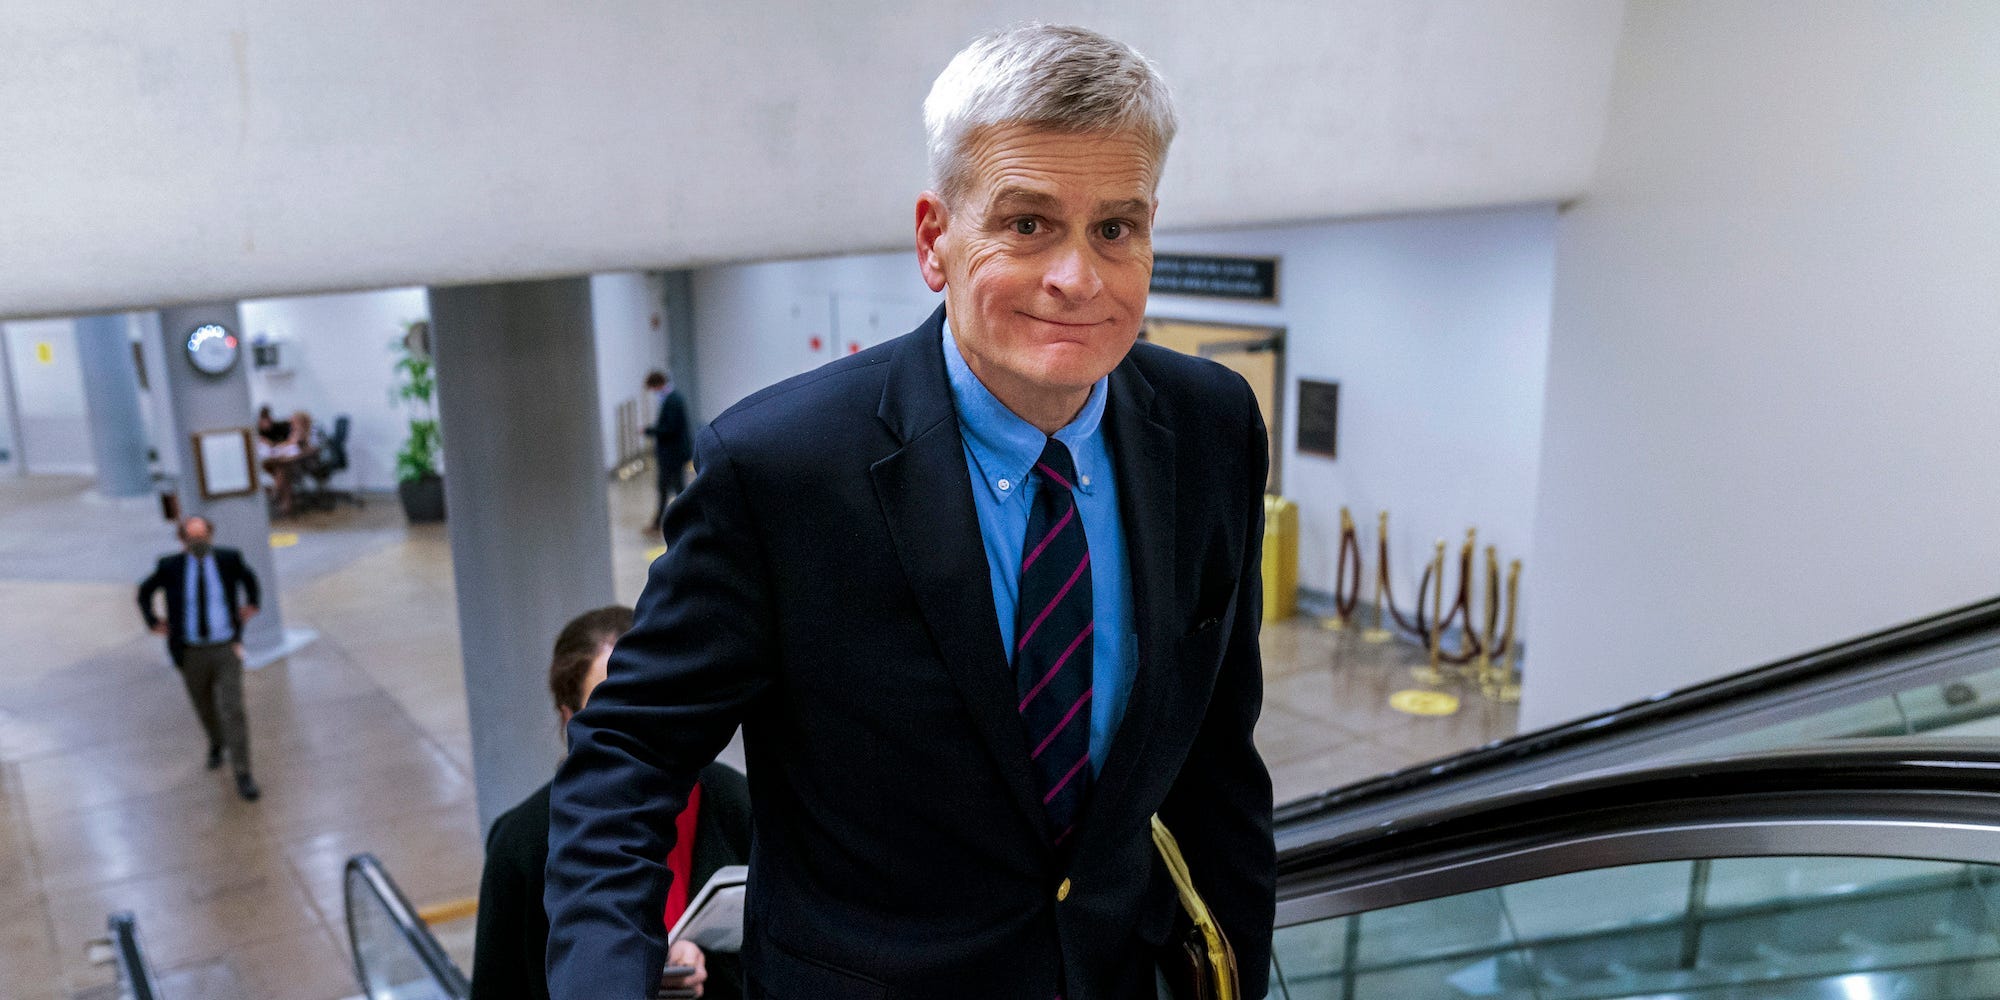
column 270, row 429
column 283, row 458
column 513, row 930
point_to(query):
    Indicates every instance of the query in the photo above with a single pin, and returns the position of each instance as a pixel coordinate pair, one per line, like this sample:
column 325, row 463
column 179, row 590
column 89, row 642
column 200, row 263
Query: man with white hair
column 984, row 599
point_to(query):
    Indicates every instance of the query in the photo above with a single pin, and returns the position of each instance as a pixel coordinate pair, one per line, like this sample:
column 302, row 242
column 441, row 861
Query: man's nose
column 1072, row 274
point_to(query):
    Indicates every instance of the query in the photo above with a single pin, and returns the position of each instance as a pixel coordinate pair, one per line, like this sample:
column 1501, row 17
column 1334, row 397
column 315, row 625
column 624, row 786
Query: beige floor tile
column 304, row 965
column 185, row 917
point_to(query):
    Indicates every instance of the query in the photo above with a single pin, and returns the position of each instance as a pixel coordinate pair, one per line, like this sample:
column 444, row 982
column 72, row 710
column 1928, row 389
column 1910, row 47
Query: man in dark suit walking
column 984, row 599
column 210, row 593
column 672, row 446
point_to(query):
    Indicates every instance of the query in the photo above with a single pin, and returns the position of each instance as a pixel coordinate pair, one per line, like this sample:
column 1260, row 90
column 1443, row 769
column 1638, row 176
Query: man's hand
column 686, row 953
column 247, row 612
column 157, row 628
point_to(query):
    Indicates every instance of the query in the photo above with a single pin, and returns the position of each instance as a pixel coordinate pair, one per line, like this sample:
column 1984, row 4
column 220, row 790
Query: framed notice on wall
column 224, row 463
column 1319, row 418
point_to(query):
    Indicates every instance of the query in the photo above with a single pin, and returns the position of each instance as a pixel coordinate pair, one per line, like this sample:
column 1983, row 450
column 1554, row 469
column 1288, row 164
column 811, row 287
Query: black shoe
column 247, row 788
column 214, row 758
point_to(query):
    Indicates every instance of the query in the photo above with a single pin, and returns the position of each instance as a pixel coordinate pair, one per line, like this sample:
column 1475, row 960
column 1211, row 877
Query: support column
column 529, row 517
column 111, row 394
column 203, row 402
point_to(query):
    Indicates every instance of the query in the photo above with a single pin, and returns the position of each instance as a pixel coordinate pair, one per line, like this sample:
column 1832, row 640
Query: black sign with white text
column 1251, row 278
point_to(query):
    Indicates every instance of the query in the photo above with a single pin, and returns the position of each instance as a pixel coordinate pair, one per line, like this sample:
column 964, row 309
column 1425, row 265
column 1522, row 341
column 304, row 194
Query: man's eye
column 1112, row 230
column 1026, row 227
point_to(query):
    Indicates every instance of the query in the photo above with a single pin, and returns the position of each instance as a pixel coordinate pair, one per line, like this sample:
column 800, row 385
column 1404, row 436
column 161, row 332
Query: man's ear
column 931, row 221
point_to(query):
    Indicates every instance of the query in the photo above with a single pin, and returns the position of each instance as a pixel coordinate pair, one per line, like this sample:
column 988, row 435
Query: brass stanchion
column 1504, row 685
column 1433, row 636
column 1482, row 665
column 1345, row 597
column 1380, row 633
column 1468, row 646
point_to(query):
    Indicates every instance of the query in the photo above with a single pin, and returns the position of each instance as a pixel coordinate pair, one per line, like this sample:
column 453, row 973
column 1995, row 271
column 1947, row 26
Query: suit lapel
column 1143, row 451
column 926, row 496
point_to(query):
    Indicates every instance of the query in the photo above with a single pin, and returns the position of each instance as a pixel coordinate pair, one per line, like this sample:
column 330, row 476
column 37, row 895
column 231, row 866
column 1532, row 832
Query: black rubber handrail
column 376, row 878
column 1796, row 673
column 1743, row 787
column 134, row 973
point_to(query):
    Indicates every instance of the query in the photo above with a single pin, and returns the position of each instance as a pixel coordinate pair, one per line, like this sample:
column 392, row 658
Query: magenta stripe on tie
column 1088, row 628
column 1053, row 532
column 1039, row 619
column 1060, row 837
column 1053, row 474
column 1051, row 797
column 1060, row 726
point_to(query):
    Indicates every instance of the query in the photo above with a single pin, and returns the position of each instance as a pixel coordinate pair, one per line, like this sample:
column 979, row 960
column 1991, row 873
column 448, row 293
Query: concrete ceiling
column 156, row 154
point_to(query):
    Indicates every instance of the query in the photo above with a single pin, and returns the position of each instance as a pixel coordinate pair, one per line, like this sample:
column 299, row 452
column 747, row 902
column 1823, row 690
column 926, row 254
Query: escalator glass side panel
column 1769, row 928
column 395, row 955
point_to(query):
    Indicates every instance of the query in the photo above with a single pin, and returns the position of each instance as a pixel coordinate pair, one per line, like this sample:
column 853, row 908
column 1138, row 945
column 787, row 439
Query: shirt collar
column 1004, row 446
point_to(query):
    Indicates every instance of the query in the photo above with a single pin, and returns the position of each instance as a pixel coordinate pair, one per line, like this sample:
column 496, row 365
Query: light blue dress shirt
column 220, row 629
column 1000, row 453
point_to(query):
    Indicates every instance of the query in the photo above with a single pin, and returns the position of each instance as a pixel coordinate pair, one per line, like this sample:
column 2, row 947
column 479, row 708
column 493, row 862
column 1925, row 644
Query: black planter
column 423, row 499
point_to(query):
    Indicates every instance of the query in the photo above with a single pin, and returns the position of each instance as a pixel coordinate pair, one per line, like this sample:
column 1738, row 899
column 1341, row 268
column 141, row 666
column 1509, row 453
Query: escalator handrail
column 134, row 973
column 1902, row 798
column 413, row 929
column 1790, row 674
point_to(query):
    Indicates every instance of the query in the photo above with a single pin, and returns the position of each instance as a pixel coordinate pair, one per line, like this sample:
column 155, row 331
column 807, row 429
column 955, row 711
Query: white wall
column 1436, row 327
column 1773, row 414
column 213, row 150
column 54, row 434
column 755, row 324
column 338, row 352
column 631, row 334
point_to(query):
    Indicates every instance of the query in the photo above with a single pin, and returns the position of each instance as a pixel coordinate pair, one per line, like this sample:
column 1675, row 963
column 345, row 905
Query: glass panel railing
column 1759, row 927
column 135, row 974
column 395, row 955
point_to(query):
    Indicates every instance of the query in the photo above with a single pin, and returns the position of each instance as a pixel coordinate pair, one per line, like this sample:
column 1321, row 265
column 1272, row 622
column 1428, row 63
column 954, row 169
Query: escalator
column 1823, row 827
column 1826, row 827
column 136, row 980
column 396, row 957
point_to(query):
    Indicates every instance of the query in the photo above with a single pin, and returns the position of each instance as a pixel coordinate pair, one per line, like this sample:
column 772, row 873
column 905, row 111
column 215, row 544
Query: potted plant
column 417, row 479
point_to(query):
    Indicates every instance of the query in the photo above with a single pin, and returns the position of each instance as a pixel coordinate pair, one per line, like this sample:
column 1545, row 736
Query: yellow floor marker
column 284, row 539
column 1419, row 702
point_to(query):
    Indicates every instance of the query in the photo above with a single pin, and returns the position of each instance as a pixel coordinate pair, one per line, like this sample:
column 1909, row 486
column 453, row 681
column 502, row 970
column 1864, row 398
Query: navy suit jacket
column 239, row 587
column 825, row 586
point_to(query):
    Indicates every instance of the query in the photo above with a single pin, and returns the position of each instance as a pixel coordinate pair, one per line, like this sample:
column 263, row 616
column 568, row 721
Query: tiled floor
column 362, row 744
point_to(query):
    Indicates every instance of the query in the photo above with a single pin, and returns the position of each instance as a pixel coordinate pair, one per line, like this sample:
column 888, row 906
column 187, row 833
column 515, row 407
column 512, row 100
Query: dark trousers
column 214, row 679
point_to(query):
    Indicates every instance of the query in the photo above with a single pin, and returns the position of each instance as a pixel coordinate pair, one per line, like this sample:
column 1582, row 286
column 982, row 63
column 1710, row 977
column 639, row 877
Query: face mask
column 200, row 550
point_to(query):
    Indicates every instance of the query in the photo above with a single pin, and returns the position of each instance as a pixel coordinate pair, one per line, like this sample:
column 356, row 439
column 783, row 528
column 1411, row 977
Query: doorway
column 1255, row 352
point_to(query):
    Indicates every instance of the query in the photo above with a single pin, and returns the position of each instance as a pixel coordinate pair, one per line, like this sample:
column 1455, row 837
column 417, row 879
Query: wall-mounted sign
column 224, row 463
column 1253, row 279
column 1319, row 418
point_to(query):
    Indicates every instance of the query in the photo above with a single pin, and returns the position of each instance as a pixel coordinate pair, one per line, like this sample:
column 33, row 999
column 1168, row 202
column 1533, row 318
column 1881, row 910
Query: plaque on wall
column 224, row 463
column 1319, row 418
column 1250, row 279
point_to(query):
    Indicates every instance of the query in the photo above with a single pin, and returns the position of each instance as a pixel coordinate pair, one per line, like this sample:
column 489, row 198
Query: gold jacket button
column 1062, row 891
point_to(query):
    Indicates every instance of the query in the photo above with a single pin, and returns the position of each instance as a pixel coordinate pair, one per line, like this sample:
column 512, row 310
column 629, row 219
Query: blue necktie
column 1053, row 645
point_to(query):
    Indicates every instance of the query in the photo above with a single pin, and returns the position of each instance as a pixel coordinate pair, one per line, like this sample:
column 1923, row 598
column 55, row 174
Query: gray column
column 678, row 308
column 111, row 392
column 218, row 402
column 529, row 518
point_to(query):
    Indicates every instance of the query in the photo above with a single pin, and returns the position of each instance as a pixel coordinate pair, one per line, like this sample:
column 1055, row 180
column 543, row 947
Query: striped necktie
column 1052, row 644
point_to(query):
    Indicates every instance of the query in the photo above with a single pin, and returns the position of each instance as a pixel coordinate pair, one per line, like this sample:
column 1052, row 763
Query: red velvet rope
column 1350, row 546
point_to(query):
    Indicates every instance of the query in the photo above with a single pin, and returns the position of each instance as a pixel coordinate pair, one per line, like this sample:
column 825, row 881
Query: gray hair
column 1058, row 77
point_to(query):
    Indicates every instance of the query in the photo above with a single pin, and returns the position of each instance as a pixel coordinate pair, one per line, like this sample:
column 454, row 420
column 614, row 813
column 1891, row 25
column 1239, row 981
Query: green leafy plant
column 416, row 387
